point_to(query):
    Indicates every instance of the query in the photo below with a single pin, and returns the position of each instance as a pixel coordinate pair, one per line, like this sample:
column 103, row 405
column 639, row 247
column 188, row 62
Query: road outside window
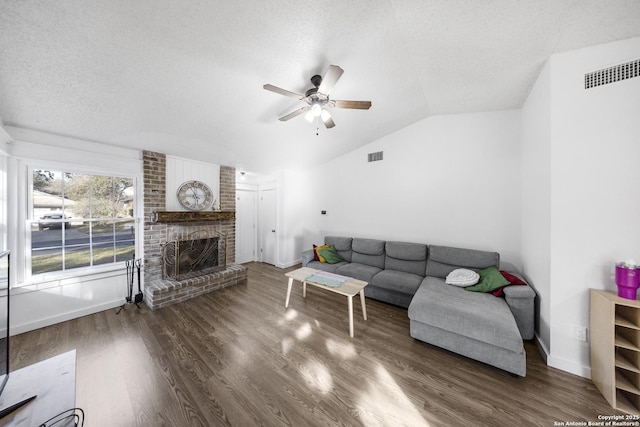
column 80, row 220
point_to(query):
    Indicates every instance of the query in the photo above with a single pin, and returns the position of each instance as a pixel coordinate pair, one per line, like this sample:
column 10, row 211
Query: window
column 80, row 220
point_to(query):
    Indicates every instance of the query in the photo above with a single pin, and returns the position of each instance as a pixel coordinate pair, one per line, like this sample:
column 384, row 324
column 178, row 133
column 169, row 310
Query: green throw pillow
column 330, row 255
column 490, row 280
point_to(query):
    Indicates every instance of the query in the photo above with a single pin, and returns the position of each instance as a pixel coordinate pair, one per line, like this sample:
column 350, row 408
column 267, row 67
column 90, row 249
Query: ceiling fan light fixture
column 309, row 116
column 317, row 99
column 316, row 110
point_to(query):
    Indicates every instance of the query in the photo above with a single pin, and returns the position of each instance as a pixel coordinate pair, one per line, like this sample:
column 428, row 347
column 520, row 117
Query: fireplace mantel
column 190, row 216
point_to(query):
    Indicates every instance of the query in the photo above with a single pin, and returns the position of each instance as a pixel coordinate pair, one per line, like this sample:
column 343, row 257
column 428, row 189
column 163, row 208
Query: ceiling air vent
column 374, row 157
column 612, row 74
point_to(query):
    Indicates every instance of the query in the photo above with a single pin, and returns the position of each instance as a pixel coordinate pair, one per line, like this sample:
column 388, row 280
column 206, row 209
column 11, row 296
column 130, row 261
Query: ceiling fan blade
column 281, row 91
column 330, row 79
column 293, row 114
column 357, row 105
column 327, row 120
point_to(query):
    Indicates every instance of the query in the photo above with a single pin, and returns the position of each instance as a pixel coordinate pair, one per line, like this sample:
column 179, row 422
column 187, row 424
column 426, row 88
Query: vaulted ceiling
column 185, row 78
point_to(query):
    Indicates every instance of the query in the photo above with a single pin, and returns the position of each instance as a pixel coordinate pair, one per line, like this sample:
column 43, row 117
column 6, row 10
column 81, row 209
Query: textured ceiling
column 185, row 78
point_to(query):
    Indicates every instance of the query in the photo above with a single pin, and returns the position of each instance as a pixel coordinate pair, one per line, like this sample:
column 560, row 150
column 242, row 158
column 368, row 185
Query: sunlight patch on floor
column 289, row 315
column 287, row 344
column 341, row 349
column 303, row 331
column 317, row 376
column 385, row 404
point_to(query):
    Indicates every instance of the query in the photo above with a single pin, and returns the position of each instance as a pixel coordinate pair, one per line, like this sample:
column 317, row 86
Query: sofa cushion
column 490, row 280
column 444, row 259
column 330, row 255
column 398, row 281
column 513, row 280
column 324, row 266
column 462, row 277
column 406, row 257
column 358, row 271
column 317, row 256
column 475, row 315
column 368, row 252
column 342, row 245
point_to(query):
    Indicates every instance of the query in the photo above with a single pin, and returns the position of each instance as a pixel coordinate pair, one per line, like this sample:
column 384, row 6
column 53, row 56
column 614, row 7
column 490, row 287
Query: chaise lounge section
column 412, row 275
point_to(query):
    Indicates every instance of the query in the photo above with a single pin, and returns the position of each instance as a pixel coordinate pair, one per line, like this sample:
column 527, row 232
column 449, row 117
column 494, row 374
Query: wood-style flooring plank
column 238, row 357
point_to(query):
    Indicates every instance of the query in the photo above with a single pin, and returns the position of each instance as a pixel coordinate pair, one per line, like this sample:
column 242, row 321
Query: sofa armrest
column 307, row 257
column 521, row 301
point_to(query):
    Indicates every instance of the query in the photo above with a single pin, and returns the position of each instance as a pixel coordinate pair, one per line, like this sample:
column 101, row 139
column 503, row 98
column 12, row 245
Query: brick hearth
column 159, row 291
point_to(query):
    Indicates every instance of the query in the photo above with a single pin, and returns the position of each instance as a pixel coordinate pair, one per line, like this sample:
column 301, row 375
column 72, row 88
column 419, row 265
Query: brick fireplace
column 161, row 290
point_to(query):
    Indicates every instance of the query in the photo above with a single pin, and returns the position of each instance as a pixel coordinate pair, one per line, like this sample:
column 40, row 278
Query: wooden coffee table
column 349, row 288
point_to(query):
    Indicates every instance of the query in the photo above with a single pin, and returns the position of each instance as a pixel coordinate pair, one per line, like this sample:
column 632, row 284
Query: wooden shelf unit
column 615, row 349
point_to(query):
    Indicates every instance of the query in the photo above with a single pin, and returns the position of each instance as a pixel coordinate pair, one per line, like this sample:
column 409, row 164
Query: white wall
column 595, row 177
column 451, row 180
column 5, row 138
column 536, row 200
column 291, row 200
column 180, row 170
column 35, row 304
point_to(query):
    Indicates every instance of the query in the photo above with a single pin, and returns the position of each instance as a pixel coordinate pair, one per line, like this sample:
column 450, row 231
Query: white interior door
column 246, row 227
column 268, row 233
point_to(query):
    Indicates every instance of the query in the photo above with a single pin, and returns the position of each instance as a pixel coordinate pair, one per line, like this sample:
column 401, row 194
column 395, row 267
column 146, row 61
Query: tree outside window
column 80, row 220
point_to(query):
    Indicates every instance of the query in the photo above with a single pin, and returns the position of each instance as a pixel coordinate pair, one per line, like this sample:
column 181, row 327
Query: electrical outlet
column 580, row 333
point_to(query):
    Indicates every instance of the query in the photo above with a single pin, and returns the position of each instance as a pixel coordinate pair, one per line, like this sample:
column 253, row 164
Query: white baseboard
column 41, row 323
column 569, row 366
column 560, row 363
column 544, row 352
column 288, row 264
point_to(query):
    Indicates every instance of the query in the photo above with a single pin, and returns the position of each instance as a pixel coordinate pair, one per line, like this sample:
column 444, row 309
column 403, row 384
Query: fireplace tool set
column 133, row 265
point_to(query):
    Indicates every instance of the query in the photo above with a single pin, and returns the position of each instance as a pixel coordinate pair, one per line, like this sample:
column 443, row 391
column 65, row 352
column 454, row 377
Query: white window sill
column 69, row 277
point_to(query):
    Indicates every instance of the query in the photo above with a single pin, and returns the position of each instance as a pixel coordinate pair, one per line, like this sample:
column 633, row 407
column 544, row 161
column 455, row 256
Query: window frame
column 28, row 278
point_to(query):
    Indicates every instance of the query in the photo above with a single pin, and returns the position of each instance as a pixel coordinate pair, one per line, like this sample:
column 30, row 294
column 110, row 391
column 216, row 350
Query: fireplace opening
column 194, row 255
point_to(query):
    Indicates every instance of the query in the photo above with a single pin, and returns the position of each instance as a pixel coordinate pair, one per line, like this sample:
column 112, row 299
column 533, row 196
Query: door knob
column 273, row 231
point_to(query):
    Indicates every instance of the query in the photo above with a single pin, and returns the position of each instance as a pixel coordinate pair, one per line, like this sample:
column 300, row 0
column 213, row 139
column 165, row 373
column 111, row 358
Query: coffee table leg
column 350, row 298
column 364, row 307
column 286, row 304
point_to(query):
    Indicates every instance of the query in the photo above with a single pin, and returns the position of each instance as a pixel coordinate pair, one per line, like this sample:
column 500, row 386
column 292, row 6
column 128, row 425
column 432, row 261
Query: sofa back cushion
column 406, row 257
column 342, row 245
column 368, row 252
column 444, row 259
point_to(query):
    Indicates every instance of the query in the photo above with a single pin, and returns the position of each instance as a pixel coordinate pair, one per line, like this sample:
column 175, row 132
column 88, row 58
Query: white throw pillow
column 462, row 277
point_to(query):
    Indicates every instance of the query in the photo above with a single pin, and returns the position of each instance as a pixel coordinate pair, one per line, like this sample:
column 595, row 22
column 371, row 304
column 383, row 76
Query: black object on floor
column 132, row 264
column 139, row 296
column 6, row 411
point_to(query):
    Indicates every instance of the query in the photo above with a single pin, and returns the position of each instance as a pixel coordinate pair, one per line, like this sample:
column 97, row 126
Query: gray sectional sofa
column 412, row 275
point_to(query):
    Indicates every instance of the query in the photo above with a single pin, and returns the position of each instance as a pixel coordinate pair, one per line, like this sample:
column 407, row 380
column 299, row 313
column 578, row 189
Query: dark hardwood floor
column 238, row 357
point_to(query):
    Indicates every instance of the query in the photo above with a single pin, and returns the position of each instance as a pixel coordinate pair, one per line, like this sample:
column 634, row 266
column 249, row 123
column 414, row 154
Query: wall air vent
column 612, row 74
column 374, row 157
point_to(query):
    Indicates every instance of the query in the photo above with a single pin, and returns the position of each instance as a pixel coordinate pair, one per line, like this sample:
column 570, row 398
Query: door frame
column 269, row 186
column 249, row 188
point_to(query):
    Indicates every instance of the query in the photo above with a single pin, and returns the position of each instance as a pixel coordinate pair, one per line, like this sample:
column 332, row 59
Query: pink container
column 628, row 280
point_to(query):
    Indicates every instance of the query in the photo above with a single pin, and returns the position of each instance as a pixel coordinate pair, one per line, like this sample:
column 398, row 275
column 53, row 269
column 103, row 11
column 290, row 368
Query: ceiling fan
column 317, row 98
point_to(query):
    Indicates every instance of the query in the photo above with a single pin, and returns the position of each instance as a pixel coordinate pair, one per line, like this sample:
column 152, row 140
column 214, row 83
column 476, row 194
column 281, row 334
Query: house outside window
column 80, row 220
